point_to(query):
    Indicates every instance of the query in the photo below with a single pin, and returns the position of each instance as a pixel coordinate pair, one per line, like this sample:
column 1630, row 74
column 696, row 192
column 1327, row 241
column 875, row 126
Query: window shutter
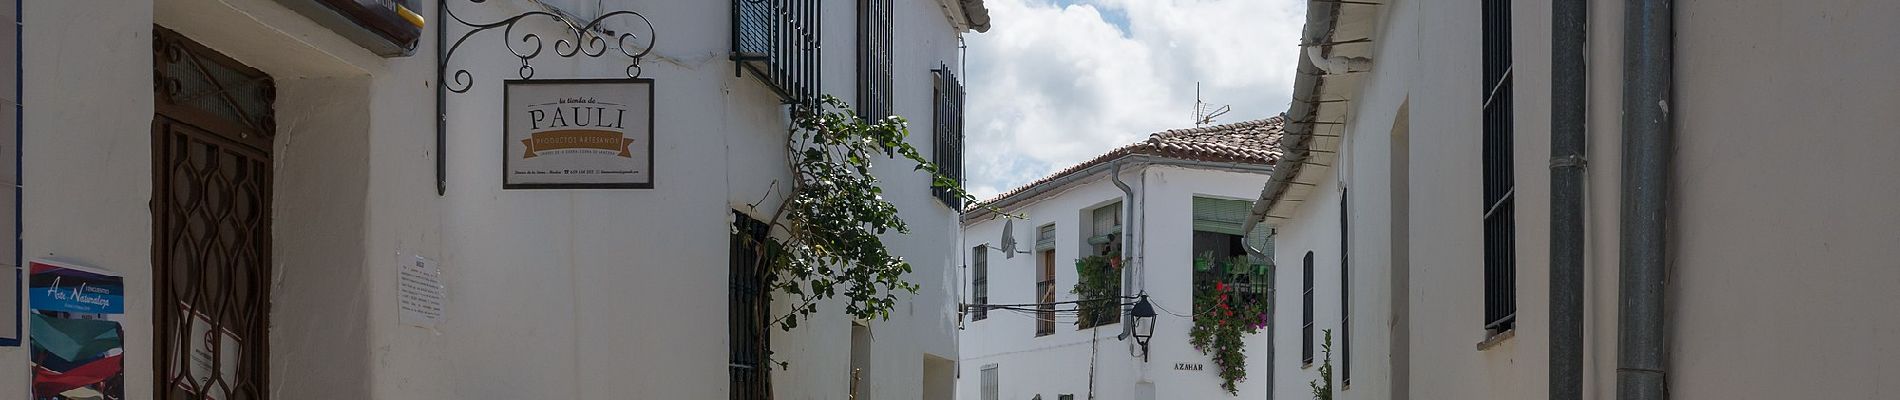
column 1046, row 238
column 1221, row 215
column 1106, row 219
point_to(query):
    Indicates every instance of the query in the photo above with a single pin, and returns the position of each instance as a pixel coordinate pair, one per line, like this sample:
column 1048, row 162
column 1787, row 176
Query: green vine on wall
column 1098, row 286
column 826, row 230
column 1225, row 311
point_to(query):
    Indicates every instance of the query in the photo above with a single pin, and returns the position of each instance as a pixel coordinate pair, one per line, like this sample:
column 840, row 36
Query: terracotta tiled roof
column 1250, row 142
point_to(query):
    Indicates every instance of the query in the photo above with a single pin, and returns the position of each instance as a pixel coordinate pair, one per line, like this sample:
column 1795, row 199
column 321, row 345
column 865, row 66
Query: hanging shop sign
column 566, row 132
column 578, row 134
column 78, row 344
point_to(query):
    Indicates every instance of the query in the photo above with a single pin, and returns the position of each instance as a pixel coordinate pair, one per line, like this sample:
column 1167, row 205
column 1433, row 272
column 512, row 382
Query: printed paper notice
column 419, row 290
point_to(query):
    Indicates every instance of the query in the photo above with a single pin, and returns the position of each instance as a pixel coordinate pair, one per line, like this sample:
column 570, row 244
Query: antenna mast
column 1204, row 113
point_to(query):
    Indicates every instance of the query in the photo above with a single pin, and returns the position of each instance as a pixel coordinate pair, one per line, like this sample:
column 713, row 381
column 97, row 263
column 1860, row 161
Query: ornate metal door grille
column 211, row 218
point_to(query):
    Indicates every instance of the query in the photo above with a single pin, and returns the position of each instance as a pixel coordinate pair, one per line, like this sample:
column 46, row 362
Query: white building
column 1156, row 204
column 557, row 294
column 1711, row 199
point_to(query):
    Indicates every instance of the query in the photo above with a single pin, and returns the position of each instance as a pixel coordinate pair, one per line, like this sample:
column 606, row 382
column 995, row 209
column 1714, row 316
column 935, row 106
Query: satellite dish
column 1009, row 238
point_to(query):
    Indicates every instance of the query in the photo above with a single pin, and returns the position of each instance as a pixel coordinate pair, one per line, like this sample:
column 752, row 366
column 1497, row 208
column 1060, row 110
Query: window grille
column 1046, row 294
column 1306, row 310
column 874, row 59
column 778, row 40
column 1500, row 231
column 749, row 310
column 1345, row 292
column 980, row 283
column 948, row 121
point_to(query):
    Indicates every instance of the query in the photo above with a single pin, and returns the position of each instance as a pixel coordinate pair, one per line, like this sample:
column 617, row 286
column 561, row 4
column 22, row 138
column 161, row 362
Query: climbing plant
column 1227, row 307
column 1098, row 286
column 1323, row 388
column 825, row 230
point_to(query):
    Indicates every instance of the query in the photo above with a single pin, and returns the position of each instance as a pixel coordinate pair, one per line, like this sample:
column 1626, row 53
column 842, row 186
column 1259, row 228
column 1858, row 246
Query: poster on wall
column 78, row 346
column 578, row 134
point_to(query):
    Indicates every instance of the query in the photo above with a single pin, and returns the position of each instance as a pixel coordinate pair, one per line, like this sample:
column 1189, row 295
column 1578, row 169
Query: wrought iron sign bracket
column 589, row 39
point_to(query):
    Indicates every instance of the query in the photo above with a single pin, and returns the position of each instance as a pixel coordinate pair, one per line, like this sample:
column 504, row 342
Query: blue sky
column 1056, row 82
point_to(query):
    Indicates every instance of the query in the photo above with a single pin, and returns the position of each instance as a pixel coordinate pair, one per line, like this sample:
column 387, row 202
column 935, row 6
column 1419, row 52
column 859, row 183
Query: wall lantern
column 1144, row 328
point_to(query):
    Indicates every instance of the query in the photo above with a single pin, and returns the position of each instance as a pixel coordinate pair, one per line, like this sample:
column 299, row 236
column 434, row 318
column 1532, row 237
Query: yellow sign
column 578, row 139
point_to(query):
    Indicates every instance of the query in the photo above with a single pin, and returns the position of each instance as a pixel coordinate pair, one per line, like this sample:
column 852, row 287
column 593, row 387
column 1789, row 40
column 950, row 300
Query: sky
column 1057, row 82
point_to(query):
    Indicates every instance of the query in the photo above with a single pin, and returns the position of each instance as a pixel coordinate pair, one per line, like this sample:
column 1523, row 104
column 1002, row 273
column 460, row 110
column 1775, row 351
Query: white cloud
column 1052, row 85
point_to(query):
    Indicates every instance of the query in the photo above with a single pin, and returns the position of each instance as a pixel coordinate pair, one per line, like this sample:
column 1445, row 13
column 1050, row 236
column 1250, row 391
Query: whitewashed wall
column 1778, row 234
column 551, row 294
column 1056, row 364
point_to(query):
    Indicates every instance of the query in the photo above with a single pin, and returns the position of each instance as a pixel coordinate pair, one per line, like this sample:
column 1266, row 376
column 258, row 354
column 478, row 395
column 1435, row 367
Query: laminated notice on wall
column 419, row 291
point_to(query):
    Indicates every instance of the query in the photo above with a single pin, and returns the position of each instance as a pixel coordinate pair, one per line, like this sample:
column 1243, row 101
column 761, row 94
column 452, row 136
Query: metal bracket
column 588, row 40
column 1569, row 161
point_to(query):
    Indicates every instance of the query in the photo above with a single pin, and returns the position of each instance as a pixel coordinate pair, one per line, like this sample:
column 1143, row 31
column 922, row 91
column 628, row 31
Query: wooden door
column 211, row 196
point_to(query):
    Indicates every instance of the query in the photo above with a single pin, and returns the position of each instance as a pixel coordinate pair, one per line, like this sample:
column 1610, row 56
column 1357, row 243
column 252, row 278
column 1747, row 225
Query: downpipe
column 1129, row 244
column 1642, row 351
column 1568, row 108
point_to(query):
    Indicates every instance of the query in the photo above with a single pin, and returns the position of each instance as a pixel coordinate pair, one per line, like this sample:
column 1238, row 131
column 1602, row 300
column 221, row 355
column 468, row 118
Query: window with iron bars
column 749, row 311
column 874, row 59
column 778, row 41
column 1345, row 290
column 1306, row 309
column 1046, row 293
column 1500, row 230
column 948, row 133
column 980, row 283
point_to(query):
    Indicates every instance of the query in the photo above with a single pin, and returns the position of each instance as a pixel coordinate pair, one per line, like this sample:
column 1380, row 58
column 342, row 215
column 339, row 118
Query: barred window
column 749, row 310
column 1345, row 292
column 980, row 283
column 778, row 41
column 1306, row 310
column 1500, row 229
column 874, row 59
column 1046, row 293
column 948, row 133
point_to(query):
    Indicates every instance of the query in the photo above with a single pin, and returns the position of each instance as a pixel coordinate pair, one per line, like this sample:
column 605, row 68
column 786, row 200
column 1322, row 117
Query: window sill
column 1496, row 339
column 1306, row 365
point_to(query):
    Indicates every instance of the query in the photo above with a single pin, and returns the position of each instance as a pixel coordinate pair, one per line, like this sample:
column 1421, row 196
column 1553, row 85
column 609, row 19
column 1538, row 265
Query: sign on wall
column 78, row 346
column 578, row 134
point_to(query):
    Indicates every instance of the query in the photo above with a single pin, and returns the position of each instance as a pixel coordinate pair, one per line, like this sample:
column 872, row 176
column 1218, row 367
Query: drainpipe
column 1647, row 67
column 1128, row 242
column 1567, row 144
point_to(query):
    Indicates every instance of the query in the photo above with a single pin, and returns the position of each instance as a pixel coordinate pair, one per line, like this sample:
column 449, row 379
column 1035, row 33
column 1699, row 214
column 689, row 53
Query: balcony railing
column 778, row 40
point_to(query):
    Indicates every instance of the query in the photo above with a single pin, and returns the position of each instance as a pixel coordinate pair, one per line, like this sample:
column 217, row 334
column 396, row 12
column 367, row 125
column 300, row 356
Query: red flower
column 1220, row 286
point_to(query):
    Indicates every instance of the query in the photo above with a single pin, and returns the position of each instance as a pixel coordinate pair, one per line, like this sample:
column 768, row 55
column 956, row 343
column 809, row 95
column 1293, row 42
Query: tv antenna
column 1204, row 113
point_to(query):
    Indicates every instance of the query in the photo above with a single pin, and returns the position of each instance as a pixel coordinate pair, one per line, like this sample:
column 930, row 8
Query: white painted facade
column 1780, row 247
column 558, row 294
column 1081, row 362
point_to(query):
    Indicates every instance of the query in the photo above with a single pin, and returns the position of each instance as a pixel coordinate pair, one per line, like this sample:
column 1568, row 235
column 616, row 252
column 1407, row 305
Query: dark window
column 874, row 59
column 1217, row 260
column 980, row 283
column 1345, row 293
column 948, row 133
column 1500, row 230
column 778, row 41
column 749, row 310
column 1306, row 310
column 1046, row 293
